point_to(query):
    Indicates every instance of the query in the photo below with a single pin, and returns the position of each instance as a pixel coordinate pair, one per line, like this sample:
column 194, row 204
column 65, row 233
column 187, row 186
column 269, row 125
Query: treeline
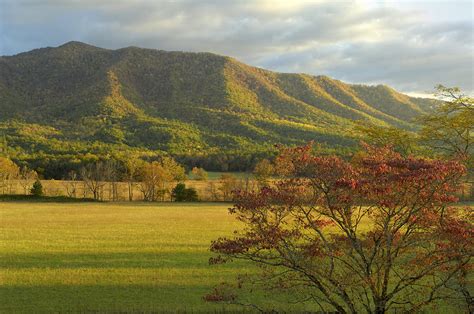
column 136, row 179
column 53, row 156
column 58, row 167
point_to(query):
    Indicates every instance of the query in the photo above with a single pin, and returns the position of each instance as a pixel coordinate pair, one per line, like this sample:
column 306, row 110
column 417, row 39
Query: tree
column 175, row 171
column 151, row 177
column 156, row 175
column 27, row 176
column 199, row 174
column 402, row 141
column 132, row 167
column 191, row 195
column 371, row 235
column 94, row 176
column 213, row 191
column 182, row 194
column 70, row 183
column 37, row 189
column 111, row 175
column 449, row 129
column 263, row 171
column 8, row 171
column 228, row 183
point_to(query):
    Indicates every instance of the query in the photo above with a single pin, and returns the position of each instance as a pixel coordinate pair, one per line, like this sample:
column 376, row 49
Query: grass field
column 112, row 257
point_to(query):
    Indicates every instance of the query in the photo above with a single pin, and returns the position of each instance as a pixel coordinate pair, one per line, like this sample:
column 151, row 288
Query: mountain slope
column 182, row 103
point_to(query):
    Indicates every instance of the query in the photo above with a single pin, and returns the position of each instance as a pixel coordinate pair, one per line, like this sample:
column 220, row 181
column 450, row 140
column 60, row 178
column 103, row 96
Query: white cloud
column 409, row 46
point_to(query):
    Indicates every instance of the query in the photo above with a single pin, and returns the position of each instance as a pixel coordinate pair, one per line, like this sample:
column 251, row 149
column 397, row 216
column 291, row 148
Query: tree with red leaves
column 371, row 235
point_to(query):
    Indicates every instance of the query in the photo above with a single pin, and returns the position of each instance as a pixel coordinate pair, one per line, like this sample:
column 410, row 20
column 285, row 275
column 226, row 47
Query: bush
column 182, row 194
column 199, row 174
column 37, row 189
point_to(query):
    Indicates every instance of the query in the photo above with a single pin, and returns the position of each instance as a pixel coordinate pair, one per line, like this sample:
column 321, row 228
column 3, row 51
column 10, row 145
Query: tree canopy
column 368, row 235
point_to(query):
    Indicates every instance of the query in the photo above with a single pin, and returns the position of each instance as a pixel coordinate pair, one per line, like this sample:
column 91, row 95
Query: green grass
column 115, row 257
column 112, row 257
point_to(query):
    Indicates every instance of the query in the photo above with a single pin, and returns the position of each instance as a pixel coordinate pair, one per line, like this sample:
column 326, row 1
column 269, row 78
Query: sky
column 409, row 45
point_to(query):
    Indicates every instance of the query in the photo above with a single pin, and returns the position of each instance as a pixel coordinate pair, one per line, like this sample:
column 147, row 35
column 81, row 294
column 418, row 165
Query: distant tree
column 153, row 176
column 370, row 236
column 111, row 175
column 8, row 171
column 228, row 184
column 191, row 195
column 449, row 128
column 263, row 171
column 179, row 192
column 199, row 174
column 94, row 176
column 213, row 191
column 71, row 182
column 26, row 178
column 182, row 194
column 132, row 169
column 37, row 189
column 156, row 175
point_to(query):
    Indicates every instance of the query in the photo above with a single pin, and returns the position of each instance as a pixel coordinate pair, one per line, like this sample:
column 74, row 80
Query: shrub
column 37, row 189
column 182, row 194
column 200, row 174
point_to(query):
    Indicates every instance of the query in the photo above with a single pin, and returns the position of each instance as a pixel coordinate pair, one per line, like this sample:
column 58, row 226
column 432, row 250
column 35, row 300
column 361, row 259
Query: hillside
column 77, row 100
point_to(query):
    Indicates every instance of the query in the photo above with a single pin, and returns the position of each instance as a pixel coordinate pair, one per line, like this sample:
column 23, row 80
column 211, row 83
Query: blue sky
column 410, row 45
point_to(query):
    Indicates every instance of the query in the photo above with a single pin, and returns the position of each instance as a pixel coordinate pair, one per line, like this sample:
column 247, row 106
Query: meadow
column 116, row 257
column 109, row 257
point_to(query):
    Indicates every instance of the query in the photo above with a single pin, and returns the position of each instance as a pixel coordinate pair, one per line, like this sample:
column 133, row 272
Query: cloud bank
column 409, row 46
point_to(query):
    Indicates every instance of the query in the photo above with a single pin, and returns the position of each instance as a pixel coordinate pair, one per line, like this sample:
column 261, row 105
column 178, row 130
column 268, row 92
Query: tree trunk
column 379, row 307
column 130, row 191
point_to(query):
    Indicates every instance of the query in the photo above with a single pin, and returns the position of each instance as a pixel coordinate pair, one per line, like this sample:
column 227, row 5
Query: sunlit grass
column 80, row 257
column 112, row 257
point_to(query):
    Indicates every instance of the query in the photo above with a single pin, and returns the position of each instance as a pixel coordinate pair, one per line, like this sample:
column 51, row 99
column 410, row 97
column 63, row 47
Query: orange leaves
column 234, row 246
column 350, row 224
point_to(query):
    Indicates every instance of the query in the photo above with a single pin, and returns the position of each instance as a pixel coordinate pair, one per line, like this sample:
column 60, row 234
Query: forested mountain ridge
column 78, row 99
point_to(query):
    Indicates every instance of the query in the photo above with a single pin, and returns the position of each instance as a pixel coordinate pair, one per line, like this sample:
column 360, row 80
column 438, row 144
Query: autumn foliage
column 368, row 235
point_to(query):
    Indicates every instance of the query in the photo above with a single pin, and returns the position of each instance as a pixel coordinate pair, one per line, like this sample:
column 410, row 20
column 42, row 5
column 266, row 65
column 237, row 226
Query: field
column 112, row 257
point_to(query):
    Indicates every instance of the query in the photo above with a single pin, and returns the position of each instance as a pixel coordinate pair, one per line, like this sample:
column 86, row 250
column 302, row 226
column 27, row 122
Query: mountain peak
column 77, row 45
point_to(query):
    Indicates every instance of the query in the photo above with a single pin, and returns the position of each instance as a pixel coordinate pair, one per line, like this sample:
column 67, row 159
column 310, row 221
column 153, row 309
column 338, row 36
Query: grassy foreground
column 112, row 257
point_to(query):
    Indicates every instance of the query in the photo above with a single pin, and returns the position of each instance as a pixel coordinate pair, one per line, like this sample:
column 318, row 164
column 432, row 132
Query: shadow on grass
column 110, row 299
column 178, row 259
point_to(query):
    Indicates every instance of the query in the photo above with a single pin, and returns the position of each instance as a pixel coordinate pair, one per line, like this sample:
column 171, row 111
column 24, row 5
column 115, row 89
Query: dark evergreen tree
column 37, row 189
column 182, row 194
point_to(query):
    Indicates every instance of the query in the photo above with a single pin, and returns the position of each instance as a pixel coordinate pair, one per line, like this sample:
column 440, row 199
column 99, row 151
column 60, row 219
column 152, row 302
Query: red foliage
column 310, row 220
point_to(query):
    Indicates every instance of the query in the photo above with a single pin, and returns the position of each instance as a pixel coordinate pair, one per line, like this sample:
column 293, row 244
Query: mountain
column 77, row 99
